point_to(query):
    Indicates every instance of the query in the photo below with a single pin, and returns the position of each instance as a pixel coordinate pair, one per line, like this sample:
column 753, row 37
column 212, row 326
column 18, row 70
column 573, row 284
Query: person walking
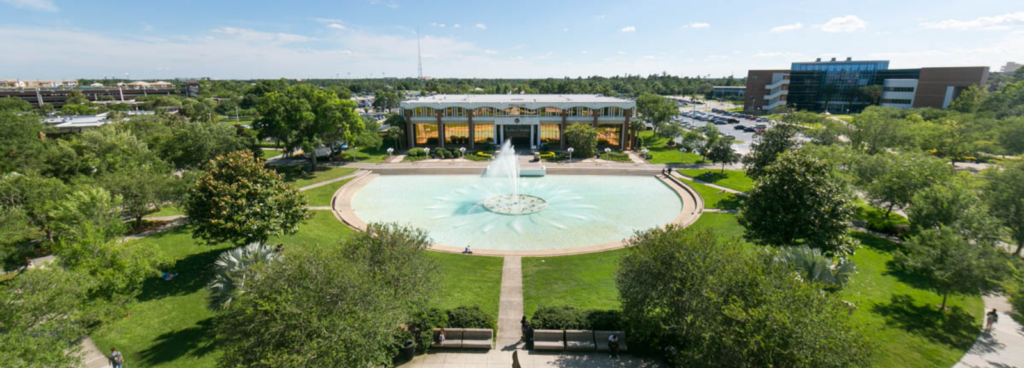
column 522, row 327
column 993, row 317
column 116, row 359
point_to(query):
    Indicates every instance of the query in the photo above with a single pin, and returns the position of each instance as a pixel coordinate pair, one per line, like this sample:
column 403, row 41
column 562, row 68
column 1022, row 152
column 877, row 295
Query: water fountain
column 506, row 166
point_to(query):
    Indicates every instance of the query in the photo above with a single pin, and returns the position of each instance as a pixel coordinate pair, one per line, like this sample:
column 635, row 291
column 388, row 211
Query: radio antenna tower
column 419, row 56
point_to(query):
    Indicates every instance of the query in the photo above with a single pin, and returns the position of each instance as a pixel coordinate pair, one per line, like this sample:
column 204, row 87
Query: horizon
column 371, row 39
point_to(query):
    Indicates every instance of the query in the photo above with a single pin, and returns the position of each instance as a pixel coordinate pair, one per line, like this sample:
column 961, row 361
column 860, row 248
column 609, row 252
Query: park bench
column 580, row 340
column 601, row 337
column 548, row 340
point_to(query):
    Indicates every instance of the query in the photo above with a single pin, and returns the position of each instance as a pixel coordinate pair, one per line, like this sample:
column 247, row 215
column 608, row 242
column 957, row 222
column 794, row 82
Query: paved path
column 719, row 187
column 335, row 180
column 92, row 357
column 1003, row 347
column 510, row 308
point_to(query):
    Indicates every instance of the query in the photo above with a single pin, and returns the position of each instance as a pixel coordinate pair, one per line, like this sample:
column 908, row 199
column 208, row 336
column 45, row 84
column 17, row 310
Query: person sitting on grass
column 467, row 251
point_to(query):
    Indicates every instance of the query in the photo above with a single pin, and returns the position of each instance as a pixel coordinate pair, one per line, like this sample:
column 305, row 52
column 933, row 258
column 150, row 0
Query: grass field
column 585, row 281
column 170, row 325
column 732, row 179
column 268, row 153
column 717, row 198
column 661, row 153
column 321, row 196
column 299, row 176
column 167, row 210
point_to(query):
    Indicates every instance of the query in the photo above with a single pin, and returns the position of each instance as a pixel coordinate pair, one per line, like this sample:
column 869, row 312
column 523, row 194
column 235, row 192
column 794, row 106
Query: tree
column 40, row 314
column 98, row 152
column 877, row 129
column 693, row 141
column 195, row 144
column 396, row 129
column 77, row 98
column 969, row 100
column 767, row 146
column 1004, row 193
column 36, row 197
column 722, row 152
column 709, row 304
column 384, row 100
column 582, row 138
column 203, row 111
column 872, row 93
column 896, row 178
column 87, row 211
column 119, row 268
column 236, row 199
column 21, row 142
column 952, row 263
column 711, row 137
column 670, row 130
column 656, row 109
column 307, row 308
column 1011, row 137
column 14, row 104
column 234, row 268
column 953, row 204
column 799, row 200
column 307, row 118
column 141, row 189
column 810, row 265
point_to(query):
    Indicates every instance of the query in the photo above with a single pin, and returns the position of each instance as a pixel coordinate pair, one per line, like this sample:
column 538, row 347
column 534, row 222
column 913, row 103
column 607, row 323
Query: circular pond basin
column 577, row 211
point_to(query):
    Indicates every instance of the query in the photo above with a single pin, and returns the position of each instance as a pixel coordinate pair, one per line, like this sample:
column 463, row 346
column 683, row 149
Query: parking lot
column 744, row 137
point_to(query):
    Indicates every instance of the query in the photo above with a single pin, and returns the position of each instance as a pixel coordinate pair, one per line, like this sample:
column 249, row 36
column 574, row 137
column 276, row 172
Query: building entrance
column 519, row 134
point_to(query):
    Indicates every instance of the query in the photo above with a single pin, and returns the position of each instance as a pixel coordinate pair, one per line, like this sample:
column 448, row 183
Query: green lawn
column 724, row 225
column 168, row 210
column 717, row 198
column 899, row 315
column 299, row 176
column 268, row 153
column 170, row 326
column 585, row 281
column 732, row 179
column 367, row 154
column 469, row 281
column 321, row 196
column 662, row 154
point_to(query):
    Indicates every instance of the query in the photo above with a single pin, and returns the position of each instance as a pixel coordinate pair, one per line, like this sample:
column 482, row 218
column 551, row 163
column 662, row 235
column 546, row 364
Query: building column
column 623, row 137
column 409, row 127
column 532, row 137
column 561, row 132
column 595, row 118
column 472, row 132
column 440, row 131
column 629, row 141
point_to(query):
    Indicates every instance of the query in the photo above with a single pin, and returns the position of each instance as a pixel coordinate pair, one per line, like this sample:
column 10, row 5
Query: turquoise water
column 582, row 210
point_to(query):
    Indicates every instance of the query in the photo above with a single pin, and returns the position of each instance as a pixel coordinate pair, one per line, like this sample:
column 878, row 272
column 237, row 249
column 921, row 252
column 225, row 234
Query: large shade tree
column 891, row 180
column 41, row 318
column 710, row 304
column 1004, row 193
column 308, row 118
column 799, row 200
column 955, row 205
column 237, row 199
column 340, row 306
column 767, row 146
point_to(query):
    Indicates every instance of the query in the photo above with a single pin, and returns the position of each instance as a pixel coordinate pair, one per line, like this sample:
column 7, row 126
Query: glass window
column 456, row 134
column 608, row 135
column 483, row 133
column 426, row 134
column 549, row 134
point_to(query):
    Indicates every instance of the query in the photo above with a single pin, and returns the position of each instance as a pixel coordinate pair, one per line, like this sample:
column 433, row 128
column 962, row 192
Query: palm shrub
column 232, row 270
column 811, row 265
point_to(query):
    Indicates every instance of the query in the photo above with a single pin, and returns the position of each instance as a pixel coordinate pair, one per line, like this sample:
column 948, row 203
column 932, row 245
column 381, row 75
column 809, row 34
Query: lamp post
column 643, row 151
column 570, row 154
column 462, row 152
column 427, row 150
column 390, row 150
column 607, row 153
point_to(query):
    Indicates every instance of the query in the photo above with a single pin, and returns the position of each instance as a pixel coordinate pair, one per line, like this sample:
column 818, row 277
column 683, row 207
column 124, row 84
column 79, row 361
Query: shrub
column 443, row 153
column 469, row 317
column 417, row 152
column 485, row 146
column 484, row 154
column 423, row 324
column 604, row 320
column 572, row 318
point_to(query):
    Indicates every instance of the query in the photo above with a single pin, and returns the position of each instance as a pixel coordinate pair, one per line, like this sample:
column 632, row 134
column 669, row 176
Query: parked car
column 762, row 120
column 750, row 130
column 739, row 126
column 732, row 121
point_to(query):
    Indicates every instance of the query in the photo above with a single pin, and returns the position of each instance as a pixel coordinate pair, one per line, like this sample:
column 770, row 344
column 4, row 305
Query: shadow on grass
column 194, row 273
column 195, row 341
column 876, row 243
column 300, row 172
column 955, row 327
column 732, row 202
column 712, row 177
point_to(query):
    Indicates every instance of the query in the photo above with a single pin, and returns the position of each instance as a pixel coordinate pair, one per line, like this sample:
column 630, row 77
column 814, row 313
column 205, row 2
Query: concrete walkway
column 510, row 307
column 1003, row 347
column 91, row 355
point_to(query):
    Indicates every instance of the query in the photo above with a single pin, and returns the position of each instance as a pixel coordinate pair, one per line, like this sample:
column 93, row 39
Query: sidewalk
column 1003, row 347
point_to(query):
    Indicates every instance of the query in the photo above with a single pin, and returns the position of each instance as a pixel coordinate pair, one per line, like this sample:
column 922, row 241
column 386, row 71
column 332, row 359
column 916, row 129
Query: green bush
column 416, row 152
column 572, row 318
column 469, row 317
column 605, row 320
column 422, row 327
column 443, row 153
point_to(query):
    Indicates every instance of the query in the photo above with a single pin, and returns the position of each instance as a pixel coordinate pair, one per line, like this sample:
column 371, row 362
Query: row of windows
column 899, row 89
column 517, row 111
column 896, row 101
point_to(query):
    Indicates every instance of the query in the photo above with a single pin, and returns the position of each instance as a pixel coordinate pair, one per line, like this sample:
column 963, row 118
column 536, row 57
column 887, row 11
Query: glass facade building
column 834, row 86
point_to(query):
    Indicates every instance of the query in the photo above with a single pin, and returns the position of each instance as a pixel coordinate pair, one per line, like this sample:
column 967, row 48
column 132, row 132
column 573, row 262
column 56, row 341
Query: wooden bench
column 477, row 338
column 452, row 339
column 580, row 340
column 601, row 337
column 548, row 340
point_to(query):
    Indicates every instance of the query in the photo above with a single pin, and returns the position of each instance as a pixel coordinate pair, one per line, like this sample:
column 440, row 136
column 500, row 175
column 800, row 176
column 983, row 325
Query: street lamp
column 390, row 150
column 462, row 152
column 427, row 150
column 570, row 154
column 607, row 153
column 643, row 151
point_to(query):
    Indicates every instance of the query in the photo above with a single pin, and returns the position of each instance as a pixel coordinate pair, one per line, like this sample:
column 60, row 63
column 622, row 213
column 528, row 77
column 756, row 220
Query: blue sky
column 487, row 39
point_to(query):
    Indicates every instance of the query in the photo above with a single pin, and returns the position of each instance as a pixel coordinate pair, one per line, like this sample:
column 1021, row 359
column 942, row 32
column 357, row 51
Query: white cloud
column 336, row 26
column 787, row 28
column 584, row 52
column 251, row 35
column 984, row 23
column 621, row 52
column 328, row 20
column 699, row 25
column 457, row 25
column 649, row 57
column 40, row 5
column 441, row 25
column 845, row 24
column 628, row 29
column 480, row 25
column 490, row 52
column 345, row 52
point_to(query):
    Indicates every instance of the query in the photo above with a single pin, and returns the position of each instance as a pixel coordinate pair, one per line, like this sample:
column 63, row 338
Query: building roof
column 720, row 87
column 529, row 101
